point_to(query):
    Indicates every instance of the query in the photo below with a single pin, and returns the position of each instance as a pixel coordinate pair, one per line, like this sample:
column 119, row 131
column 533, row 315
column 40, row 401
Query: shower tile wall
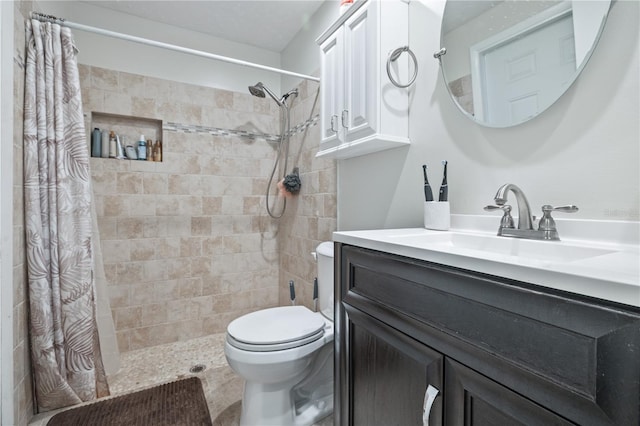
column 187, row 245
column 22, row 397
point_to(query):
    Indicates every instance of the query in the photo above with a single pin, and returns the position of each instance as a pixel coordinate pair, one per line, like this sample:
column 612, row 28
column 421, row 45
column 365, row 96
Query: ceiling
column 268, row 24
column 459, row 12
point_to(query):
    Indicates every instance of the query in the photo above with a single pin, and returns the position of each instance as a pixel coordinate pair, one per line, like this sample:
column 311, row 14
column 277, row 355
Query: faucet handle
column 490, row 207
column 546, row 221
column 507, row 219
column 570, row 208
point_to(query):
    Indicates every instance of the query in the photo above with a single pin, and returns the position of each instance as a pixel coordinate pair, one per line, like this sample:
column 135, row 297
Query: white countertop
column 611, row 270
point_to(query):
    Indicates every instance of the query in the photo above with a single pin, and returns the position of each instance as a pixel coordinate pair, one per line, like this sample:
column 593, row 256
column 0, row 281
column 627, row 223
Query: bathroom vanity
column 500, row 348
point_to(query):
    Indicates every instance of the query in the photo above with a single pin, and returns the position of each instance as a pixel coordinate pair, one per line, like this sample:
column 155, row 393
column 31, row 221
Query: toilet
column 285, row 356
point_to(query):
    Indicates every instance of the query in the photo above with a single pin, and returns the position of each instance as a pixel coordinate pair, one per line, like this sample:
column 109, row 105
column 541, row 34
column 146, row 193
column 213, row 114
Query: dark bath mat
column 177, row 403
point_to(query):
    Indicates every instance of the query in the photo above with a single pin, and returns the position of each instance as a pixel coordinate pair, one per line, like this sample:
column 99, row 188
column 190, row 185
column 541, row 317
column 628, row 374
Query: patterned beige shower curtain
column 65, row 351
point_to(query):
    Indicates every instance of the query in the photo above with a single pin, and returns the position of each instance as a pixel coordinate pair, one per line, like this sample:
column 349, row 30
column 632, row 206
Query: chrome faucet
column 524, row 211
column 547, row 228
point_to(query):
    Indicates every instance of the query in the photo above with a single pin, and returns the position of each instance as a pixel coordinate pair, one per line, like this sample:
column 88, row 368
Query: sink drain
column 198, row 368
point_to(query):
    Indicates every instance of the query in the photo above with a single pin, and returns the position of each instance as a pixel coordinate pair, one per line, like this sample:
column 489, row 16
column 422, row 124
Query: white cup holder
column 437, row 215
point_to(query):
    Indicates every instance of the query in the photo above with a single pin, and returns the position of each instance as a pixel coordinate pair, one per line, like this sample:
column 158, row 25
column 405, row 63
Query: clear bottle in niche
column 142, row 148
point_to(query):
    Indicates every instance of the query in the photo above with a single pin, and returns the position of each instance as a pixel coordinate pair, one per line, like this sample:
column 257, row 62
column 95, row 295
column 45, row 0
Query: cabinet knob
column 345, row 119
column 429, row 397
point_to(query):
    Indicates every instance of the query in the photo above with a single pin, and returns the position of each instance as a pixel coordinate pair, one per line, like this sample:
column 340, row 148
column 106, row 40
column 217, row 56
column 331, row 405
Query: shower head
column 259, row 90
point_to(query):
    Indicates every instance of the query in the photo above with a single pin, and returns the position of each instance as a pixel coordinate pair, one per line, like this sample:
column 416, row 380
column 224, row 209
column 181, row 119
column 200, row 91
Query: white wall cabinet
column 362, row 111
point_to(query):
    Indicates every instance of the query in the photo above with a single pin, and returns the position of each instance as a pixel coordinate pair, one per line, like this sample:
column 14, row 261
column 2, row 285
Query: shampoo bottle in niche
column 113, row 153
column 105, row 144
column 142, row 148
column 150, row 150
column 96, row 143
column 157, row 151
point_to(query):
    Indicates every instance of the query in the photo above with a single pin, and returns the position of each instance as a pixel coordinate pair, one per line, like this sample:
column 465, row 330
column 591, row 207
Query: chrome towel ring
column 393, row 56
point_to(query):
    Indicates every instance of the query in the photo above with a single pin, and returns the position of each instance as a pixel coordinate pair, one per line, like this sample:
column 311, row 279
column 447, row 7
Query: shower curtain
column 65, row 350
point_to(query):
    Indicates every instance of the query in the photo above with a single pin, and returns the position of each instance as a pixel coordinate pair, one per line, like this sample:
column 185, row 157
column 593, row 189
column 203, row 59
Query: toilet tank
column 324, row 254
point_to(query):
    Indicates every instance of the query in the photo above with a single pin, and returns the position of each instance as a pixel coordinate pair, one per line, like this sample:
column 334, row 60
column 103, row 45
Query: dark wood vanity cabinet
column 500, row 352
column 389, row 374
column 473, row 399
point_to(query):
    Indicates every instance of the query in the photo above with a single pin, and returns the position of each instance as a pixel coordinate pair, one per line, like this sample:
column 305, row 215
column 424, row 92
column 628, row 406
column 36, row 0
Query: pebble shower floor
column 154, row 365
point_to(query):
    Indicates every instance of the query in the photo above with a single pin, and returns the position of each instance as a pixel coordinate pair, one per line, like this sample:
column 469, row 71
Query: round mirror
column 507, row 61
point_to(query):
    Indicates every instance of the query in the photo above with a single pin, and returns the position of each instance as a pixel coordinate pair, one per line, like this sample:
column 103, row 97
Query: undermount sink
column 503, row 246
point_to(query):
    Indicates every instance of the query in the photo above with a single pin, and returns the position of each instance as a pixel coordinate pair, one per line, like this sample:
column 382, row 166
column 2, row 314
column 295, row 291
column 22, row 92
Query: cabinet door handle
column 345, row 118
column 429, row 397
column 333, row 118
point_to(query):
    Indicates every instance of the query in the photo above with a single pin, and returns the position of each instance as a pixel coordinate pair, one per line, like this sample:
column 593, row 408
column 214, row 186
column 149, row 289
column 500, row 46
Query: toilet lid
column 276, row 326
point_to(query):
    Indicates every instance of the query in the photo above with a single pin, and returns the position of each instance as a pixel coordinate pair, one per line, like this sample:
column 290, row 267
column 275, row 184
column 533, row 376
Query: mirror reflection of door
column 482, row 37
column 521, row 74
column 519, row 85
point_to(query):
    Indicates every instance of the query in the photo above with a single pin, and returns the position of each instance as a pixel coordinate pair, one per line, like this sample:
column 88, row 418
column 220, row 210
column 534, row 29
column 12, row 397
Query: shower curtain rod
column 141, row 40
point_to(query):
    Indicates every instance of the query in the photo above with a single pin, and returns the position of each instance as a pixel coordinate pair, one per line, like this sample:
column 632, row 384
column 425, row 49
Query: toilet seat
column 275, row 329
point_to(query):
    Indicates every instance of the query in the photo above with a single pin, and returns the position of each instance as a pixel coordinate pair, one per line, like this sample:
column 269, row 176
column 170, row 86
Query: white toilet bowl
column 288, row 374
column 285, row 355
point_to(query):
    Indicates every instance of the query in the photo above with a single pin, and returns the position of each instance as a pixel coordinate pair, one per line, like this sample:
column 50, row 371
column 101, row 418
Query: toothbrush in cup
column 428, row 195
column 444, row 187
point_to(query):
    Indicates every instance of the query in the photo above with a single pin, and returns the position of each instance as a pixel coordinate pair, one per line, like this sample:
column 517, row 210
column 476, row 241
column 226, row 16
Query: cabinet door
column 474, row 400
column 361, row 85
column 332, row 89
column 388, row 375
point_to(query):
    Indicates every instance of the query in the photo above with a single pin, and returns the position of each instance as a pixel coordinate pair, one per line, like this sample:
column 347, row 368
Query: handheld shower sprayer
column 290, row 183
column 293, row 92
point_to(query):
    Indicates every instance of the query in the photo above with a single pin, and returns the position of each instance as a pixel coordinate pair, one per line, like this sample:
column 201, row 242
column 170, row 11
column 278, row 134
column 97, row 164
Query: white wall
column 583, row 150
column 303, row 54
column 111, row 53
column 7, row 415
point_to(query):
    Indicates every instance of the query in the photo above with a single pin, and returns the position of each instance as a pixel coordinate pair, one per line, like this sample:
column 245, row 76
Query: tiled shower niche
column 129, row 128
